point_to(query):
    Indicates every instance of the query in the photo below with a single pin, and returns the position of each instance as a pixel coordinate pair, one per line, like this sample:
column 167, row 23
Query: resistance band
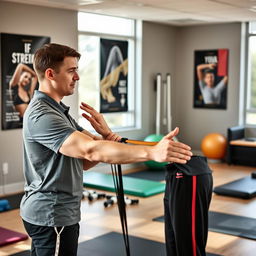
column 139, row 142
column 119, row 188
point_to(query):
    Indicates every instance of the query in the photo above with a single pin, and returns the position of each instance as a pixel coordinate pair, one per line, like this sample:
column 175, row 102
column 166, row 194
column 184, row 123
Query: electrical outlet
column 5, row 168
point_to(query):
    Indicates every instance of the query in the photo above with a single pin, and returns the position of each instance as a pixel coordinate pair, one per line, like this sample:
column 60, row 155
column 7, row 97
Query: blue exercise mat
column 4, row 205
column 14, row 200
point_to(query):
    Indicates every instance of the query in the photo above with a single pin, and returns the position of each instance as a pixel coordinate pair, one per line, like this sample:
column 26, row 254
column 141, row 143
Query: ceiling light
column 87, row 2
column 253, row 9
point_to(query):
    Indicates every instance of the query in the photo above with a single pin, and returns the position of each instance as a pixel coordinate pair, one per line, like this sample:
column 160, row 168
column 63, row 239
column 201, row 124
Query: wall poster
column 211, row 79
column 18, row 79
column 113, row 75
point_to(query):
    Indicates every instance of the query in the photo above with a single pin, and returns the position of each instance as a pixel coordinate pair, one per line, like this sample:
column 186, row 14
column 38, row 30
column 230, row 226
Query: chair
column 240, row 149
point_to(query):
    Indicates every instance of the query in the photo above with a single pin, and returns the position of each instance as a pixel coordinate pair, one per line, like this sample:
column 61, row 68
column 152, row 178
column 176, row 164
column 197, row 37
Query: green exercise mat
column 132, row 186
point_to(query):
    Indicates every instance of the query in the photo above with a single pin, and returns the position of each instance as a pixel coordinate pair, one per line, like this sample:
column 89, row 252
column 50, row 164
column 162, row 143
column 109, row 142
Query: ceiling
column 175, row 12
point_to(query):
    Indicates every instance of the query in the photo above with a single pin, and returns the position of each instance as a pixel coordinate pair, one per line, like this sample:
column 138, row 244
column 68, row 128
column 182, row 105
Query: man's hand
column 168, row 150
column 98, row 123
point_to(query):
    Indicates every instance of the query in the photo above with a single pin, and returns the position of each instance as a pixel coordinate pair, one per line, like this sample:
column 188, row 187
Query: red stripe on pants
column 193, row 209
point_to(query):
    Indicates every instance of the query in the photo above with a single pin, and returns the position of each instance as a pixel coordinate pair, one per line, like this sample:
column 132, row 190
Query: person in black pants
column 186, row 203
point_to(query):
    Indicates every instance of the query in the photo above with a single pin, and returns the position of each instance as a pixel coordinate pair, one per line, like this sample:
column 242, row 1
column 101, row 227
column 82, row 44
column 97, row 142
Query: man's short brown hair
column 52, row 56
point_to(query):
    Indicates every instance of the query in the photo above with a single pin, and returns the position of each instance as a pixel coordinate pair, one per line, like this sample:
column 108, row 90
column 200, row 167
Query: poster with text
column 211, row 79
column 113, row 75
column 18, row 80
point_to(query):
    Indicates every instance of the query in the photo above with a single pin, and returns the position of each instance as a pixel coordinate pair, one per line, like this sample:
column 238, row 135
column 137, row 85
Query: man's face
column 209, row 79
column 66, row 77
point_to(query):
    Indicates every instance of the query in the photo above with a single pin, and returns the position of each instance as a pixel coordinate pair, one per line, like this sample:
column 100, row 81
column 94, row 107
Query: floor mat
column 132, row 186
column 160, row 219
column 100, row 246
column 14, row 200
column 244, row 188
column 229, row 224
column 8, row 236
column 149, row 174
column 232, row 225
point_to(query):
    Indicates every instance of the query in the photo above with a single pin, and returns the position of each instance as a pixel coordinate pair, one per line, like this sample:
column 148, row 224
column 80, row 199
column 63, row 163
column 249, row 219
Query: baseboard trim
column 11, row 188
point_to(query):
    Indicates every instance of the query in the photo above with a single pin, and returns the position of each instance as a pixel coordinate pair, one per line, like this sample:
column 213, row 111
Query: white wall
column 61, row 26
column 165, row 49
column 158, row 50
column 195, row 123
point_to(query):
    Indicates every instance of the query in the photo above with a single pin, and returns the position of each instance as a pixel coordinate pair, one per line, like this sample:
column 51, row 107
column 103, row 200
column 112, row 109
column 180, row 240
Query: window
column 250, row 113
column 91, row 30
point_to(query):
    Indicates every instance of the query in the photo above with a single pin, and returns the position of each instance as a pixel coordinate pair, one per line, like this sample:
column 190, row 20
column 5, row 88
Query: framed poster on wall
column 113, row 75
column 18, row 80
column 210, row 78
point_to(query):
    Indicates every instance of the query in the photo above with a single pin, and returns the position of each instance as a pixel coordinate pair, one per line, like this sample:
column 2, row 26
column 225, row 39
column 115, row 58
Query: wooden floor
column 97, row 220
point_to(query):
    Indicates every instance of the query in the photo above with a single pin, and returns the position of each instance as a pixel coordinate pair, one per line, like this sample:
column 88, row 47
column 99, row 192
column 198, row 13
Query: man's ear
column 49, row 73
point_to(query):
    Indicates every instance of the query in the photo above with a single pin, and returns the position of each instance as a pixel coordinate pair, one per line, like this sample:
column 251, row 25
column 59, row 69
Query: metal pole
column 165, row 106
column 158, row 102
column 169, row 112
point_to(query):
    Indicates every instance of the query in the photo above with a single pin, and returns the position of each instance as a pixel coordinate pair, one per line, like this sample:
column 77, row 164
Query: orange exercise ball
column 214, row 146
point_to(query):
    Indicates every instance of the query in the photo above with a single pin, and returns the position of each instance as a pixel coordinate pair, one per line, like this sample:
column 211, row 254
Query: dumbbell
column 131, row 201
column 113, row 199
column 91, row 195
column 110, row 201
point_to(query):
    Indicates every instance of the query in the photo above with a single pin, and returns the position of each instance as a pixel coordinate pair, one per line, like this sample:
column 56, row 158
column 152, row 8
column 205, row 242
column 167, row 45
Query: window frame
column 247, row 77
column 132, row 90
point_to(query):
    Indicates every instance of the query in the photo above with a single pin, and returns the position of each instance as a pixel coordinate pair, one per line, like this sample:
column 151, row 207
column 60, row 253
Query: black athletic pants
column 44, row 240
column 186, row 204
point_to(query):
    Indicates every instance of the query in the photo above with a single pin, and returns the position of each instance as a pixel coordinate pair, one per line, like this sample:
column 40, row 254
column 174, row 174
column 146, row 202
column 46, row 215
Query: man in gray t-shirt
column 50, row 187
column 57, row 150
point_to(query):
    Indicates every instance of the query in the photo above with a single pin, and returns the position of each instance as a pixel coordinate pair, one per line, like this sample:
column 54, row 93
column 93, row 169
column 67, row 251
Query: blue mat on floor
column 14, row 200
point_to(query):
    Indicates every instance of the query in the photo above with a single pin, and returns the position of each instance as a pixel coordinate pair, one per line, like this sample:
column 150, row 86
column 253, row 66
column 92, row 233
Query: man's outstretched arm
column 79, row 145
column 99, row 124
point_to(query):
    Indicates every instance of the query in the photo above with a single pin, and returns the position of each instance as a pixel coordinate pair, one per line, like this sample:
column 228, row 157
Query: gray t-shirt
column 212, row 95
column 53, row 181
